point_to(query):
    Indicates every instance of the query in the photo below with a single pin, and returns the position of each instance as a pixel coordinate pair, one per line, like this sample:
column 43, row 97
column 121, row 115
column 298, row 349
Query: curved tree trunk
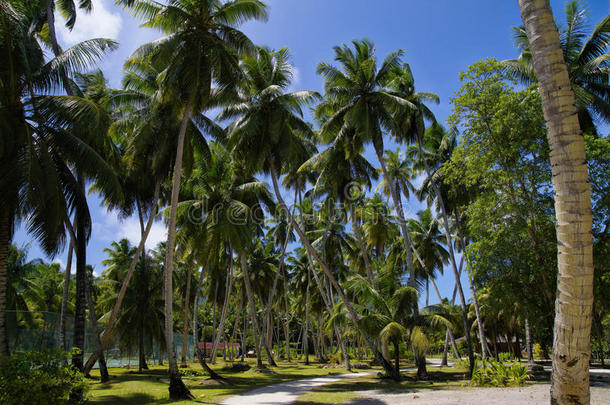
column 5, row 240
column 108, row 334
column 177, row 389
column 572, row 330
column 352, row 314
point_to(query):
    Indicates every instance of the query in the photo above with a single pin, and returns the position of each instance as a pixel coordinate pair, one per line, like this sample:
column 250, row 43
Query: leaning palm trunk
column 200, row 355
column 108, row 334
column 4, row 244
column 81, row 281
column 449, row 332
column 177, row 389
column 225, row 307
column 454, row 267
column 353, row 316
column 572, row 331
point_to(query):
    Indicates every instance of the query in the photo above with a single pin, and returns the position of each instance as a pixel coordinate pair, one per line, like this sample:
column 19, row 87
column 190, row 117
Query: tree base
column 177, row 388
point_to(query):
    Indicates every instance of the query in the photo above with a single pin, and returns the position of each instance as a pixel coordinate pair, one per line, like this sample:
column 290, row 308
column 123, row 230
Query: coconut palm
column 572, row 331
column 42, row 141
column 201, row 46
column 585, row 54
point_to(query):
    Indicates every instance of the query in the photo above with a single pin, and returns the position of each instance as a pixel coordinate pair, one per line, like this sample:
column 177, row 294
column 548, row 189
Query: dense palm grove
column 302, row 226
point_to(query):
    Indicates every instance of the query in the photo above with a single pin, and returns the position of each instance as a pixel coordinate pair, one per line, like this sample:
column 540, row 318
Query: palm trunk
column 81, row 281
column 572, row 331
column 449, row 333
column 177, row 389
column 529, row 344
column 251, row 307
column 353, row 316
column 104, row 377
column 363, row 250
column 225, row 305
column 187, row 300
column 108, row 335
column 141, row 352
column 306, row 327
column 286, row 316
column 64, row 298
column 5, row 240
column 198, row 352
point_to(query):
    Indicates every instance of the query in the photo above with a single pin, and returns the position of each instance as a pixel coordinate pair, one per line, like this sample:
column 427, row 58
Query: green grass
column 349, row 390
column 150, row 387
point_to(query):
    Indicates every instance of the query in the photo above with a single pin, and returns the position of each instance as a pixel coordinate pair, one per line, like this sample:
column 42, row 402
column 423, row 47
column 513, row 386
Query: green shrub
column 538, row 353
column 336, row 358
column 498, row 374
column 505, row 357
column 40, row 377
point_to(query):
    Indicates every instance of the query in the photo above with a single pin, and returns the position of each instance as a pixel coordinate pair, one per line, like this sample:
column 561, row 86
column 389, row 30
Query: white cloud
column 100, row 23
column 296, row 76
column 111, row 228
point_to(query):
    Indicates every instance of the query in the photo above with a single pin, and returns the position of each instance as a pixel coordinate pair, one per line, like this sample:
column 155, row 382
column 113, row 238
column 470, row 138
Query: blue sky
column 440, row 38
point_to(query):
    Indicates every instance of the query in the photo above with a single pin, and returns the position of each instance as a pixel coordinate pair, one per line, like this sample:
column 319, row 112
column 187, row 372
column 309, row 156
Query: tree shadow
column 130, row 399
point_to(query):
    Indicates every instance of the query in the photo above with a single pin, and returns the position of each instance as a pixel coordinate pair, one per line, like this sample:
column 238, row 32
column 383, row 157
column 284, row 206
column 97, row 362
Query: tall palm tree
column 38, row 184
column 572, row 331
column 586, row 57
column 358, row 97
column 200, row 48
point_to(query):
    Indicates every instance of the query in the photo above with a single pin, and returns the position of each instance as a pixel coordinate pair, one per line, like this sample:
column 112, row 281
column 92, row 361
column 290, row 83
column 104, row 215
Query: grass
column 349, row 390
column 150, row 386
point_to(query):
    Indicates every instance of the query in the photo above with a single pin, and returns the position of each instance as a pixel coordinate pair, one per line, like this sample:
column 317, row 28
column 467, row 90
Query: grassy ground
column 350, row 390
column 150, row 387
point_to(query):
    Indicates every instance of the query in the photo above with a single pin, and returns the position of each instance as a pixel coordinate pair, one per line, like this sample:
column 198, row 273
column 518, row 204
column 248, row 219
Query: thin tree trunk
column 185, row 329
column 363, row 250
column 104, row 377
column 306, row 330
column 5, row 240
column 353, row 316
column 225, row 304
column 251, row 307
column 529, row 344
column 200, row 355
column 572, row 330
column 286, row 316
column 177, row 389
column 108, row 335
column 449, row 333
column 64, row 298
column 142, row 355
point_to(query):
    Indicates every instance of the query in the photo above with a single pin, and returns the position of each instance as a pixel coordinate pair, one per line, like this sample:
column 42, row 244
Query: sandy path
column 286, row 392
column 537, row 394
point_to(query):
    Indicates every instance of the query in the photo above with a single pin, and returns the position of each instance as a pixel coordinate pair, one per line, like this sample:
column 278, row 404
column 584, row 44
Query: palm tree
column 357, row 97
column 201, row 47
column 585, row 55
column 43, row 140
column 266, row 134
column 572, row 331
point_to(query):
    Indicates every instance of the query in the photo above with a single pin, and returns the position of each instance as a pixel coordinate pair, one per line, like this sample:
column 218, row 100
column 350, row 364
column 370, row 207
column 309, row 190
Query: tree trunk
column 251, row 306
column 529, row 344
column 306, row 327
column 187, row 300
column 363, row 250
column 286, row 316
column 108, row 335
column 5, row 240
column 200, row 355
column 141, row 352
column 81, row 281
column 225, row 306
column 397, row 357
column 64, row 298
column 449, row 333
column 572, row 330
column 353, row 316
column 104, row 377
column 177, row 389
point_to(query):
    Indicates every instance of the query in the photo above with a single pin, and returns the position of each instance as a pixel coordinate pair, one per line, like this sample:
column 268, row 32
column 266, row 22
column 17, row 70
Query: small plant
column 40, row 377
column 498, row 374
column 505, row 357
